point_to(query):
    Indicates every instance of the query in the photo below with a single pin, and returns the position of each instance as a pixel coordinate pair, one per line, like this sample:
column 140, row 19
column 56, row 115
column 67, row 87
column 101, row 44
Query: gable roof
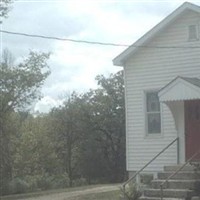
column 119, row 60
column 194, row 81
column 180, row 89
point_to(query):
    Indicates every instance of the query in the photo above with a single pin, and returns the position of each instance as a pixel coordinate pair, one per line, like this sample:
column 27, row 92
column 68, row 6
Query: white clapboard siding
column 153, row 68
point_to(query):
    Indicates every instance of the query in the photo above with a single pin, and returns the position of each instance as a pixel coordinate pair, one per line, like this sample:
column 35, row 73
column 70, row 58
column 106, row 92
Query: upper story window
column 153, row 115
column 193, row 32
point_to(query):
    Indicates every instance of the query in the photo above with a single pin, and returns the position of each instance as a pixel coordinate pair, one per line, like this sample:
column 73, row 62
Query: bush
column 131, row 192
column 4, row 188
column 45, row 182
column 60, row 181
column 80, row 182
column 32, row 182
column 17, row 186
column 40, row 182
column 52, row 181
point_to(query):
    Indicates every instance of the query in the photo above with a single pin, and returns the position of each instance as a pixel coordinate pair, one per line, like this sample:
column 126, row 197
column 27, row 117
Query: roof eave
column 185, row 90
column 120, row 59
column 117, row 62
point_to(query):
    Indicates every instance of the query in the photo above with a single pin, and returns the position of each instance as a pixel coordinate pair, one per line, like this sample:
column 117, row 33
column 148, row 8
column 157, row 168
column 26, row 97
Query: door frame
column 186, row 121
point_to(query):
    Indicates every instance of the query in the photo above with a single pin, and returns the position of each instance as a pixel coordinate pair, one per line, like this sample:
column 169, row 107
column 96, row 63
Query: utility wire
column 62, row 39
column 96, row 43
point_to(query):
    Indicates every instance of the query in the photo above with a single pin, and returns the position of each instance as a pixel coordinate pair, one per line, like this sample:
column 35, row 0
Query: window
column 153, row 118
column 192, row 32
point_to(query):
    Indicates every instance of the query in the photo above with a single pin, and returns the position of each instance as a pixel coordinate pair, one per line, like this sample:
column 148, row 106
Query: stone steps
column 175, row 193
column 180, row 187
column 175, row 184
column 183, row 175
column 176, row 167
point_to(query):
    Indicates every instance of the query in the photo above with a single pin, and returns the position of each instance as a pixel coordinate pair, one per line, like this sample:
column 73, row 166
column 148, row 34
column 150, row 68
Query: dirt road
column 78, row 193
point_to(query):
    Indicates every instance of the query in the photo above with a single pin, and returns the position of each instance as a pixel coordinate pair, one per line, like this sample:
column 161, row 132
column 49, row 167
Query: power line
column 63, row 39
column 95, row 42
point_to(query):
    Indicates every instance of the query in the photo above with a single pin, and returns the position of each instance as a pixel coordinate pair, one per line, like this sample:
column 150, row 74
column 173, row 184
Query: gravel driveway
column 67, row 195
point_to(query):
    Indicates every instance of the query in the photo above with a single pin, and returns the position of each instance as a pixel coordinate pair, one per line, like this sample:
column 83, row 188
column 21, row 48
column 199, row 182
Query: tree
column 4, row 8
column 35, row 153
column 66, row 133
column 20, row 84
column 19, row 87
column 83, row 138
column 109, row 122
column 91, row 164
column 102, row 150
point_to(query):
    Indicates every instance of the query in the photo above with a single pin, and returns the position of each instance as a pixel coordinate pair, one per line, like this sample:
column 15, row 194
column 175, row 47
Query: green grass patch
column 47, row 192
column 112, row 195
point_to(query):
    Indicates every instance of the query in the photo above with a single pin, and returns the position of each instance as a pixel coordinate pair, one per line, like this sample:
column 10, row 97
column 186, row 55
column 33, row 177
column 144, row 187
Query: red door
column 192, row 128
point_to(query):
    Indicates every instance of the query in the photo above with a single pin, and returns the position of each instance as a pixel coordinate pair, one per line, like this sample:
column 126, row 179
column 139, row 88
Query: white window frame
column 197, row 32
column 146, row 116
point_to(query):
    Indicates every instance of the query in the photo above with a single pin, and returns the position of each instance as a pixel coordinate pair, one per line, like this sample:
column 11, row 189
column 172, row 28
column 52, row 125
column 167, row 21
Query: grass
column 113, row 195
column 46, row 192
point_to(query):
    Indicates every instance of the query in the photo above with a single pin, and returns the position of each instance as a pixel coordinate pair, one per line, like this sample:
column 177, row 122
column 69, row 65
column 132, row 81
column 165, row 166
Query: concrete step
column 182, row 175
column 175, row 184
column 174, row 193
column 176, row 167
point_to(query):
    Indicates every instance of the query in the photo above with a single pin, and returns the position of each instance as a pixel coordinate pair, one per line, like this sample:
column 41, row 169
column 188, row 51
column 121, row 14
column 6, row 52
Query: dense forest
column 80, row 142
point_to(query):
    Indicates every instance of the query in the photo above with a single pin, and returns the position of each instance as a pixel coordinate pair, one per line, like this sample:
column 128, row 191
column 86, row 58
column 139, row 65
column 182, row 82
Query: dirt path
column 66, row 195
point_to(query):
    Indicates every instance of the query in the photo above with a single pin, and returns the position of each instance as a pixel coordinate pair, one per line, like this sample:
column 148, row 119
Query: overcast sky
column 74, row 66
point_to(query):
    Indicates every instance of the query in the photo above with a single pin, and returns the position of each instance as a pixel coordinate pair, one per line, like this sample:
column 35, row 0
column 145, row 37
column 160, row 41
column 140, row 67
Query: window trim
column 197, row 32
column 147, row 134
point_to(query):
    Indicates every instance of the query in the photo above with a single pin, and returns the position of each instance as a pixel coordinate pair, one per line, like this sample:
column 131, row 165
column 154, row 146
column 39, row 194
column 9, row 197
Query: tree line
column 80, row 142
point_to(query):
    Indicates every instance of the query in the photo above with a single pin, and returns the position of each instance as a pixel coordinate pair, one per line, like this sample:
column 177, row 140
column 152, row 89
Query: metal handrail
column 164, row 149
column 179, row 169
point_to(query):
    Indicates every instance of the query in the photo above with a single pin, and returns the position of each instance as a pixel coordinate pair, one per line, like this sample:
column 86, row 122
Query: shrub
column 52, row 181
column 80, row 182
column 4, row 188
column 45, row 182
column 17, row 186
column 33, row 182
column 60, row 181
column 131, row 192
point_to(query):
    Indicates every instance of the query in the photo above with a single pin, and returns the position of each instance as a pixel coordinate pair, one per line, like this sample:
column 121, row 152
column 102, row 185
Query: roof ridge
column 119, row 60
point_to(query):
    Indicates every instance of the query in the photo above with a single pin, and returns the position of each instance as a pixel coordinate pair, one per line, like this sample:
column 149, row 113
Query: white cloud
column 75, row 65
column 46, row 103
